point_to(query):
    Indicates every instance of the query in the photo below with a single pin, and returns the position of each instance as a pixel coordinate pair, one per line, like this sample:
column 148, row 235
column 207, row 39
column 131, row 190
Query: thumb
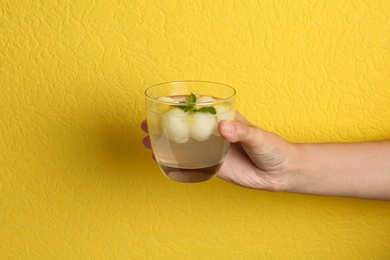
column 235, row 131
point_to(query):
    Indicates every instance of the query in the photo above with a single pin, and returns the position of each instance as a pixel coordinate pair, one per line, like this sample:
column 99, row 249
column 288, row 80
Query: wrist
column 288, row 175
column 296, row 177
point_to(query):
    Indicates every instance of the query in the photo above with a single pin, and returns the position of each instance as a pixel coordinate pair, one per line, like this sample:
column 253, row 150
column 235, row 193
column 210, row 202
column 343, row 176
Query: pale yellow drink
column 187, row 144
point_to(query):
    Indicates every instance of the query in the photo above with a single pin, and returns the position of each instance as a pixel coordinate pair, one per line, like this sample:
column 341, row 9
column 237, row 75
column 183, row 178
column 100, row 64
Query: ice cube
column 175, row 125
column 166, row 99
column 180, row 98
column 162, row 107
column 205, row 99
column 203, row 126
column 223, row 113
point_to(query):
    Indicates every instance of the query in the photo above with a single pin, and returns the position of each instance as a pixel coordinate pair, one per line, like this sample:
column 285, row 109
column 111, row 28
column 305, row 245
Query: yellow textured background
column 75, row 182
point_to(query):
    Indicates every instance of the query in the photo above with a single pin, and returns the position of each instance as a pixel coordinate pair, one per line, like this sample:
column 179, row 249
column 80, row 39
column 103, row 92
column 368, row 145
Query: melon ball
column 203, row 126
column 175, row 126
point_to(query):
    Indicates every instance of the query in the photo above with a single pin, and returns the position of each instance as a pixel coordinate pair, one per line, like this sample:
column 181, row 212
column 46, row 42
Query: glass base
column 192, row 175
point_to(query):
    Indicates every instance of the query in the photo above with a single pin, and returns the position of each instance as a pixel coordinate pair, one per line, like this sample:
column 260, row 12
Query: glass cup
column 183, row 121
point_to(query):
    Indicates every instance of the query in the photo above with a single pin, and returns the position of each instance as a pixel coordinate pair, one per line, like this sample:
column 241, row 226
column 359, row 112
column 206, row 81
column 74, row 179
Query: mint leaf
column 192, row 98
column 190, row 106
column 180, row 106
column 210, row 110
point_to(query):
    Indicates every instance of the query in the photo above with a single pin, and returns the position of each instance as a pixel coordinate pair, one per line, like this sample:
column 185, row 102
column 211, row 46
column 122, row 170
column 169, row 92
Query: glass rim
column 190, row 81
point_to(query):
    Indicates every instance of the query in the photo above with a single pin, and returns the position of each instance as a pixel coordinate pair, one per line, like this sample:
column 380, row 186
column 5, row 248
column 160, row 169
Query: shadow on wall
column 105, row 137
column 120, row 142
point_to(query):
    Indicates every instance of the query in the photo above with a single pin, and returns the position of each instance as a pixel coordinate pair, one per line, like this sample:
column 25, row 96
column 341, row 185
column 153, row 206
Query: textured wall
column 75, row 182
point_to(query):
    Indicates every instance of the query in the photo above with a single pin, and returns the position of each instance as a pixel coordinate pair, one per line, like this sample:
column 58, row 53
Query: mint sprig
column 190, row 106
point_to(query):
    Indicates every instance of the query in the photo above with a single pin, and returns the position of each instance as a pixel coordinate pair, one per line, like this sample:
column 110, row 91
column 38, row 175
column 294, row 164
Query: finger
column 226, row 128
column 146, row 143
column 144, row 126
column 235, row 131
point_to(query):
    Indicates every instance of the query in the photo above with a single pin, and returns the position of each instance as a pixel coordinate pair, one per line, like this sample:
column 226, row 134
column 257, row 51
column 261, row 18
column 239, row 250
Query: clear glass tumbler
column 183, row 121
